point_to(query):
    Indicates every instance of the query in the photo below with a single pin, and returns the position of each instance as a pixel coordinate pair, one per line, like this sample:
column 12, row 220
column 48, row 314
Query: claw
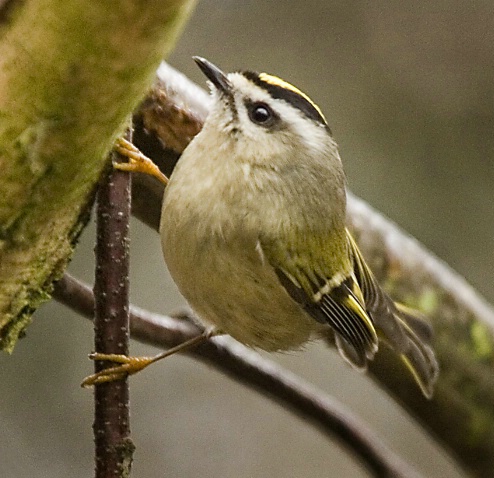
column 138, row 162
column 132, row 365
column 128, row 366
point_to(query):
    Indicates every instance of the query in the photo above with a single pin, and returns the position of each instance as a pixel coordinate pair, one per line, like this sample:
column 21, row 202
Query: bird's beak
column 214, row 74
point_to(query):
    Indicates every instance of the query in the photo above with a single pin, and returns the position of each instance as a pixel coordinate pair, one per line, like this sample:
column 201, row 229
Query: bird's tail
column 405, row 330
column 417, row 352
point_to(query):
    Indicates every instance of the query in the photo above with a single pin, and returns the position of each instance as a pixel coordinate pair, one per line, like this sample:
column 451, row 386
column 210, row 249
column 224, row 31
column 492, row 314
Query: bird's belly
column 256, row 319
column 238, row 294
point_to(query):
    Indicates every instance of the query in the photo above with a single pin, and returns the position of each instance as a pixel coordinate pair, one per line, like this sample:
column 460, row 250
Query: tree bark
column 111, row 428
column 70, row 75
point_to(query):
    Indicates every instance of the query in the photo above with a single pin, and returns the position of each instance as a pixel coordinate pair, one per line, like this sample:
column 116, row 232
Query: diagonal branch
column 248, row 368
column 461, row 414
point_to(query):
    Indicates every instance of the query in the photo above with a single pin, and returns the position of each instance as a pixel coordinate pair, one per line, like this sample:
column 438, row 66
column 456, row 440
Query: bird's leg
column 132, row 365
column 138, row 162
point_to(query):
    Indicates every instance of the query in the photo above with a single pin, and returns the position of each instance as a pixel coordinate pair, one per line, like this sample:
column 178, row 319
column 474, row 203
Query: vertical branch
column 113, row 447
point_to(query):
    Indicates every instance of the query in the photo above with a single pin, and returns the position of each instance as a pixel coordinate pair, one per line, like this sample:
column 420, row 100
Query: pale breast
column 212, row 218
column 225, row 280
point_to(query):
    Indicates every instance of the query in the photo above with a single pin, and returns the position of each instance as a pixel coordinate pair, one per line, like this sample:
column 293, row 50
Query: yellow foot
column 132, row 365
column 128, row 366
column 138, row 162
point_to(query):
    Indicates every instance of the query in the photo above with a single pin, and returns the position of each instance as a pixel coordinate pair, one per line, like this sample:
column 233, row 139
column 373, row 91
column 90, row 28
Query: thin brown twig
column 113, row 446
column 248, row 368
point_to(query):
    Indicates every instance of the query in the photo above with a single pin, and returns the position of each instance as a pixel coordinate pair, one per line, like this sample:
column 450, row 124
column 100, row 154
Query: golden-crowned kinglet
column 253, row 232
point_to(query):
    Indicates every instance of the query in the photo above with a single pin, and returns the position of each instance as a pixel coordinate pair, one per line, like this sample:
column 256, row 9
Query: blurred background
column 408, row 90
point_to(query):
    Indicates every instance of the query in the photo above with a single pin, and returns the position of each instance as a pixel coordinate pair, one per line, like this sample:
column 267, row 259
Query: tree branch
column 113, row 446
column 247, row 367
column 70, row 75
column 461, row 415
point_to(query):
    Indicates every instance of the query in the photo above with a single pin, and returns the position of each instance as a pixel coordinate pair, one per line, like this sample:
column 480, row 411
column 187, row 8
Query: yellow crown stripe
column 276, row 81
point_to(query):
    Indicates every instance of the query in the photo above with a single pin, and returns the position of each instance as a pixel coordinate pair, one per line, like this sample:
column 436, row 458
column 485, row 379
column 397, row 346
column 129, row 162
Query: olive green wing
column 340, row 305
column 357, row 309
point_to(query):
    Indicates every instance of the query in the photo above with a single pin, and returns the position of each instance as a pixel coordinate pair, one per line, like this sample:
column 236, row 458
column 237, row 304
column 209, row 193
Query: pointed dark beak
column 214, row 74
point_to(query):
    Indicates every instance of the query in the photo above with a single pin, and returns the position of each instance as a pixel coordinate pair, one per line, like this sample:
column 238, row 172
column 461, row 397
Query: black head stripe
column 282, row 90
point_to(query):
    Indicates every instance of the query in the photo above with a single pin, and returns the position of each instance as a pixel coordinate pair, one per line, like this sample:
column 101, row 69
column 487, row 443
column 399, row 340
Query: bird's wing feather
column 377, row 302
column 340, row 306
column 355, row 307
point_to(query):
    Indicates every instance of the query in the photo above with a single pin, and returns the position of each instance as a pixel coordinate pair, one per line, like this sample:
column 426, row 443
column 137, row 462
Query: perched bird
column 253, row 231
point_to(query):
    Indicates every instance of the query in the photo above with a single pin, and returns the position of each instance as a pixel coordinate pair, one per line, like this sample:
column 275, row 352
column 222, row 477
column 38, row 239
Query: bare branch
column 113, row 446
column 247, row 367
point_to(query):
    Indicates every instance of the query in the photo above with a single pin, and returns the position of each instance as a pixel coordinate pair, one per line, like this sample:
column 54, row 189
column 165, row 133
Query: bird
column 253, row 231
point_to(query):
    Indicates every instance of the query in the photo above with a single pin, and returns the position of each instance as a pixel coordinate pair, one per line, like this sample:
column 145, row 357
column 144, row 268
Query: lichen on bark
column 70, row 76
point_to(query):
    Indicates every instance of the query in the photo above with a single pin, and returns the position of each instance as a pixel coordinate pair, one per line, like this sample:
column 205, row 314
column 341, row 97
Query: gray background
column 408, row 91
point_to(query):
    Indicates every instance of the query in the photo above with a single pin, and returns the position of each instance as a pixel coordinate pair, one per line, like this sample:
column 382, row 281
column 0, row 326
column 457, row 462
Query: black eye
column 261, row 113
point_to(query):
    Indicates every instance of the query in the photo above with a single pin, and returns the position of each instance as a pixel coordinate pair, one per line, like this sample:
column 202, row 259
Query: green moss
column 70, row 77
column 428, row 302
column 480, row 426
column 15, row 329
column 126, row 451
column 481, row 341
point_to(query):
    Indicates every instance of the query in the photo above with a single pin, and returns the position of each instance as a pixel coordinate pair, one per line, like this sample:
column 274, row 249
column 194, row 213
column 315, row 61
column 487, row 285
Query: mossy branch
column 461, row 414
column 70, row 75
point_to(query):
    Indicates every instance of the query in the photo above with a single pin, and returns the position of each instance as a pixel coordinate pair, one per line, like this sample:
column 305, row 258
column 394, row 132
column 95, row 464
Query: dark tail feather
column 418, row 354
column 416, row 321
column 405, row 330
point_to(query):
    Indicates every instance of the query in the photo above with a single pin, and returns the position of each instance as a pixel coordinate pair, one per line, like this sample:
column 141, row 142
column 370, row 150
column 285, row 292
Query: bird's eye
column 261, row 114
